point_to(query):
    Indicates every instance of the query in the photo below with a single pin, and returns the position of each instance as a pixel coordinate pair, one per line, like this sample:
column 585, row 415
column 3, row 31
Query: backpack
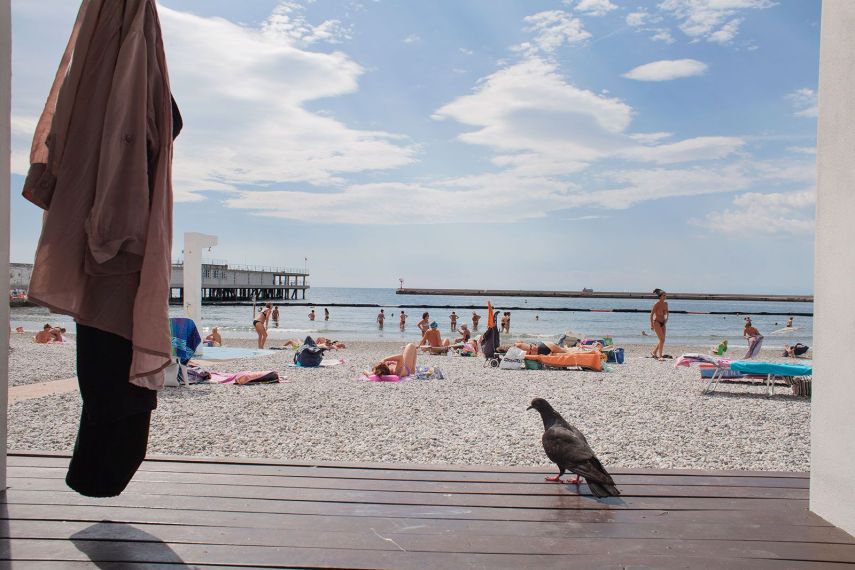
column 309, row 355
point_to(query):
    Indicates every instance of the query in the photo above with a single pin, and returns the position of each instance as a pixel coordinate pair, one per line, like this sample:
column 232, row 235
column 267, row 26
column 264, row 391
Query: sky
column 532, row 144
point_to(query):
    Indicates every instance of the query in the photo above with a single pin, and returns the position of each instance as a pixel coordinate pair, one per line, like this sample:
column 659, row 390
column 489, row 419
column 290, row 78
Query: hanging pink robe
column 100, row 166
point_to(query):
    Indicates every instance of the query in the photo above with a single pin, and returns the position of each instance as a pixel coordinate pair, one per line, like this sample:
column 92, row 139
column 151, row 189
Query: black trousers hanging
column 113, row 434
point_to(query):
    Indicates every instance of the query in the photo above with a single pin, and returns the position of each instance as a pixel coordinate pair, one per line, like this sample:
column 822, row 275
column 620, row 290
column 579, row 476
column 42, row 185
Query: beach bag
column 514, row 359
column 615, row 355
column 309, row 355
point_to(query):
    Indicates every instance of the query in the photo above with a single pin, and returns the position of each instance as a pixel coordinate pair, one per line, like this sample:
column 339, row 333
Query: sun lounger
column 773, row 371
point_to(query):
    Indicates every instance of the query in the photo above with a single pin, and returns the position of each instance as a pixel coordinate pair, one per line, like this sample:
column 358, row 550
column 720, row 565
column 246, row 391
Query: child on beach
column 720, row 349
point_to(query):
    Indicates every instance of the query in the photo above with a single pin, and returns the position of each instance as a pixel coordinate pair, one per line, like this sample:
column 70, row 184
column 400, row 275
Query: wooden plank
column 241, row 515
column 582, row 563
column 190, row 484
column 564, row 498
column 660, row 527
column 450, row 476
column 333, row 477
column 229, row 461
column 368, row 538
column 81, row 549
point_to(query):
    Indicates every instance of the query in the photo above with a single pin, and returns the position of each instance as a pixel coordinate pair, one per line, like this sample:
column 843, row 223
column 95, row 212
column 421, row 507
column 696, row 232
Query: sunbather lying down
column 543, row 348
column 401, row 365
column 330, row 344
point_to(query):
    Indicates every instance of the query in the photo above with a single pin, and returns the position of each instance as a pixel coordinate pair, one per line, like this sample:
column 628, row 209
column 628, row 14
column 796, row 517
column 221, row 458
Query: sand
column 644, row 413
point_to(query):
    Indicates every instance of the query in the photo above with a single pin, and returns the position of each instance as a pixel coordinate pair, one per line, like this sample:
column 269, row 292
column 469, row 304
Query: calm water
column 530, row 322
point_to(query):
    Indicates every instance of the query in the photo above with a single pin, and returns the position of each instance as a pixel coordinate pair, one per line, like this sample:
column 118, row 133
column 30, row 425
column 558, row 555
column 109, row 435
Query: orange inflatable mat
column 589, row 360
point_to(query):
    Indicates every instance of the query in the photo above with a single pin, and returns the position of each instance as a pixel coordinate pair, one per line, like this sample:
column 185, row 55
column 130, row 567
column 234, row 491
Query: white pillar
column 194, row 244
column 5, row 149
column 832, row 484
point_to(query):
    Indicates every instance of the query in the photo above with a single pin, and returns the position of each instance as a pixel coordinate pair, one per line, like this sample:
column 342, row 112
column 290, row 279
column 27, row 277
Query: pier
column 605, row 295
column 224, row 283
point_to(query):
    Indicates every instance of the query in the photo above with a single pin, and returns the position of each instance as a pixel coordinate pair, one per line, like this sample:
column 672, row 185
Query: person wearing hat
column 432, row 339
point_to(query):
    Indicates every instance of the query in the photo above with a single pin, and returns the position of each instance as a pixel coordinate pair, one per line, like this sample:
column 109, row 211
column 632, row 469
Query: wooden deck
column 181, row 512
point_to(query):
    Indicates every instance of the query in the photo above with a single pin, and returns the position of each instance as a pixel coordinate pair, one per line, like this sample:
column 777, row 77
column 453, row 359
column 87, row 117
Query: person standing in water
column 453, row 317
column 312, row 315
column 475, row 318
column 658, row 319
column 275, row 316
column 424, row 324
column 381, row 317
column 403, row 319
column 326, row 314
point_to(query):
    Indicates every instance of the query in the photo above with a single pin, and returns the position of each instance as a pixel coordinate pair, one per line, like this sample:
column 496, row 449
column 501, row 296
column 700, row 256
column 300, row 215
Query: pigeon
column 567, row 447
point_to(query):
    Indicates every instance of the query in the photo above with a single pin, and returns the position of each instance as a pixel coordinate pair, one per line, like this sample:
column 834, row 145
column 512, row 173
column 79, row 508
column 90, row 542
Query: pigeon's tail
column 600, row 490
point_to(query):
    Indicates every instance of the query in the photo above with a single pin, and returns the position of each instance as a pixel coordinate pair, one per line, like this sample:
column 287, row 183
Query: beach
column 643, row 413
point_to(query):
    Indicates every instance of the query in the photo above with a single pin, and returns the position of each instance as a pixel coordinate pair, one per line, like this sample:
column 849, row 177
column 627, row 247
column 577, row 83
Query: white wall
column 5, row 111
column 832, row 486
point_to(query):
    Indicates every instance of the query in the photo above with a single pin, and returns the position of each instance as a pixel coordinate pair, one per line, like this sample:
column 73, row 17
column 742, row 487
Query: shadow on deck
column 218, row 513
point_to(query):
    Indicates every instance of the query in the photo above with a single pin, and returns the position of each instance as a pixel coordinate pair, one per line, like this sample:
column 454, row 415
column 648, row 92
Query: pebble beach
column 643, row 413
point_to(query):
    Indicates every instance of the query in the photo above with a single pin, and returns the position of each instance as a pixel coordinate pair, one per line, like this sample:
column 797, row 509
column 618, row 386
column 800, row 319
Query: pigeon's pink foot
column 575, row 481
column 554, row 479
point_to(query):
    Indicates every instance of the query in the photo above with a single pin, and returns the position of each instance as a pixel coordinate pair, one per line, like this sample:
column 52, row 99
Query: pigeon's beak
column 529, row 408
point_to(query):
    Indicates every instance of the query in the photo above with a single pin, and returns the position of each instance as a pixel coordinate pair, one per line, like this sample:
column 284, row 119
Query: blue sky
column 474, row 143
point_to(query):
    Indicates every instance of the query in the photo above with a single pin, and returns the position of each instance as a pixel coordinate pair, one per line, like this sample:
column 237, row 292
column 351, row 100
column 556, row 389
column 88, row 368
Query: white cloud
column 698, row 148
column 666, row 70
column 642, row 185
column 802, row 149
column 553, row 29
column 267, row 135
column 288, row 22
column 778, row 213
column 595, row 7
column 412, row 38
column 466, row 51
column 636, row 19
column 712, row 20
column 805, row 103
column 650, row 138
column 662, row 35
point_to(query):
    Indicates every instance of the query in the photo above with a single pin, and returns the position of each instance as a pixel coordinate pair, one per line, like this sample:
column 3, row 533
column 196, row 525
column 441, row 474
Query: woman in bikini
column 424, row 324
column 260, row 324
column 658, row 319
column 401, row 365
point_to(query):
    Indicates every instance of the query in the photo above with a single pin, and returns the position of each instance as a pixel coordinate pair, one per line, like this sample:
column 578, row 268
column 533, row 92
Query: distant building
column 220, row 282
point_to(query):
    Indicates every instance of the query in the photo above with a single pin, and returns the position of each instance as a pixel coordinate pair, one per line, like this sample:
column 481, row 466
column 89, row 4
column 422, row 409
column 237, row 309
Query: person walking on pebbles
column 658, row 320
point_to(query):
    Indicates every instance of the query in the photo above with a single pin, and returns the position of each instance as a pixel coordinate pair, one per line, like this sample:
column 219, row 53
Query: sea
column 532, row 318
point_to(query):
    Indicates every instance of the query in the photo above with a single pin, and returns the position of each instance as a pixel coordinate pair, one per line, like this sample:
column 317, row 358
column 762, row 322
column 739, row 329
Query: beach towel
column 325, row 363
column 690, row 358
column 589, row 360
column 246, row 377
column 754, row 344
column 185, row 338
column 428, row 373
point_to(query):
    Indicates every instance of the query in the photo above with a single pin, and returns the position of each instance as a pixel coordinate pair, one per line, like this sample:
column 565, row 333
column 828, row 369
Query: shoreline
column 643, row 413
